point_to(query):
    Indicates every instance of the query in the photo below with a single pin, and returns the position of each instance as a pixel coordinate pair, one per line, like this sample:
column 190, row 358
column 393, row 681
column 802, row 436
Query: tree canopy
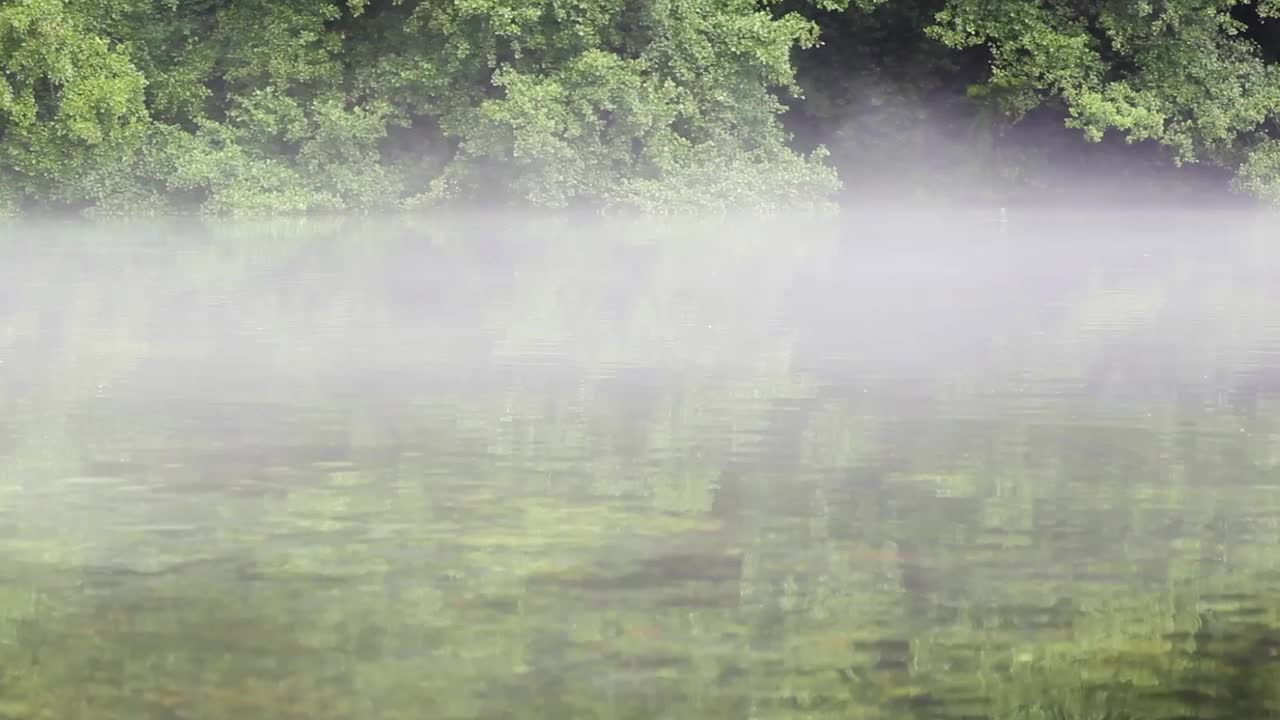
column 267, row 106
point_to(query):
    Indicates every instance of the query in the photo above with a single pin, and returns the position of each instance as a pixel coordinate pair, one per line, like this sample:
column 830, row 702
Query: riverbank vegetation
column 292, row 106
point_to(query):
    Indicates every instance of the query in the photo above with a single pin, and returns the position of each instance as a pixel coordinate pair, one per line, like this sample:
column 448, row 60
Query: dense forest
column 287, row 106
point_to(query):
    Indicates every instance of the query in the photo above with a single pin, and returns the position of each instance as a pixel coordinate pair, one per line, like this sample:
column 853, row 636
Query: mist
column 694, row 359
column 925, row 464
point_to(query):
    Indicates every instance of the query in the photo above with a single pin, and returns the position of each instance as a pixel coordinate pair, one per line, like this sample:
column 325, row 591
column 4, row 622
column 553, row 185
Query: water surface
column 891, row 467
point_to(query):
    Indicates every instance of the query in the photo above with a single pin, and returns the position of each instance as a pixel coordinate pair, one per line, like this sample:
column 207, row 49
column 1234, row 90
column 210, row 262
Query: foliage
column 265, row 106
column 1260, row 173
column 974, row 97
column 303, row 105
column 70, row 99
column 1182, row 73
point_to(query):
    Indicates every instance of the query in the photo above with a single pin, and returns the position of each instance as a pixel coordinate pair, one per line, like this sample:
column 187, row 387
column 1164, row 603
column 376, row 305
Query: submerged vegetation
column 291, row 106
column 279, row 470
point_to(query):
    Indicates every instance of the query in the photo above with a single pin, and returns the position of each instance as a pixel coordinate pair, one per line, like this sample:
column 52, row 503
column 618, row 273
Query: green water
column 931, row 467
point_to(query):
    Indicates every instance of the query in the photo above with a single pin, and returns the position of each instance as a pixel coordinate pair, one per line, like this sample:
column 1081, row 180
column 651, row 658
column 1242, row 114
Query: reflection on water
column 926, row 468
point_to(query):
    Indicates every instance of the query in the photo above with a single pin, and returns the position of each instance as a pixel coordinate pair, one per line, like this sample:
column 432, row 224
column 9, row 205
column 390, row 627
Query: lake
column 887, row 466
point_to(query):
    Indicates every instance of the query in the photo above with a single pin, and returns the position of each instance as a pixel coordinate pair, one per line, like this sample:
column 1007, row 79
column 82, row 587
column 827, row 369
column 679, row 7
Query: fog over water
column 1020, row 464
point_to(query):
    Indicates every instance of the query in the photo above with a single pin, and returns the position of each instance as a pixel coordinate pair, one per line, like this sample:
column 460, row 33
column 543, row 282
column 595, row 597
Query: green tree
column 300, row 105
column 264, row 106
column 71, row 102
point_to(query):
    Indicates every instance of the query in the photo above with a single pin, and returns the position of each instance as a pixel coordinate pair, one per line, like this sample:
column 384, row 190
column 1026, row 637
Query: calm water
column 483, row 469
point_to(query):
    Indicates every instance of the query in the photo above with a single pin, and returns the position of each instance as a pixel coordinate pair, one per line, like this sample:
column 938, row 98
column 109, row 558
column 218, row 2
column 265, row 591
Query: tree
column 265, row 106
column 71, row 102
